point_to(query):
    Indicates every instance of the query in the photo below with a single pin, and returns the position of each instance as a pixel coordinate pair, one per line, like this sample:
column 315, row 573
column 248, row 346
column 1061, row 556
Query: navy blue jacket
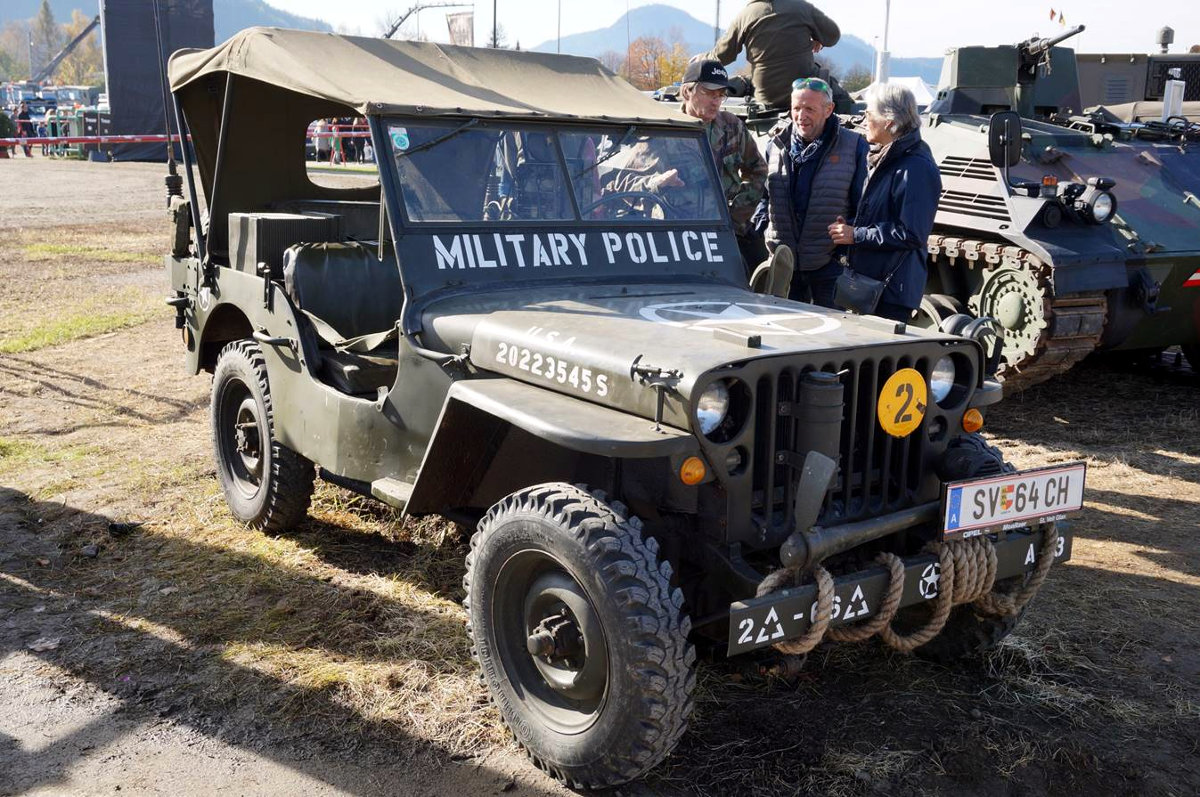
column 895, row 217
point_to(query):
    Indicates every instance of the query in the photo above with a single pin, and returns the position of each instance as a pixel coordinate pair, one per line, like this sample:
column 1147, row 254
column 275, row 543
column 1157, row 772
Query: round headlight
column 1103, row 206
column 712, row 407
column 941, row 381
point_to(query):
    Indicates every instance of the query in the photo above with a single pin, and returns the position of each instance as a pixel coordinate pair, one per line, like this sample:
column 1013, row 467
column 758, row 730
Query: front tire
column 581, row 640
column 267, row 485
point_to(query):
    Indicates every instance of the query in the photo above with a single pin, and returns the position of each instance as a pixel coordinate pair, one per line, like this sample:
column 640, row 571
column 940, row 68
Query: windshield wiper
column 438, row 140
column 632, row 129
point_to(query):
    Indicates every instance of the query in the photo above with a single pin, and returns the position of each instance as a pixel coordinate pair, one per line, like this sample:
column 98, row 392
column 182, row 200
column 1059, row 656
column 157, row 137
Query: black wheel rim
column 550, row 641
column 240, row 436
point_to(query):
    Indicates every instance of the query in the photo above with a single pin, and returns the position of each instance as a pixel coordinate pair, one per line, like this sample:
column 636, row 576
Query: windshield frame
column 390, row 178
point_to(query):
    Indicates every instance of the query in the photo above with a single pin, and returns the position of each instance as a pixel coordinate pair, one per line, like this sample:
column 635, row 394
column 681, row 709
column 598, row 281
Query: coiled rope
column 968, row 575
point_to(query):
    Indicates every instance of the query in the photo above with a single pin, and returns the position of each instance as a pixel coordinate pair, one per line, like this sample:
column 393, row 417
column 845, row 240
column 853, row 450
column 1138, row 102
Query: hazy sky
column 923, row 28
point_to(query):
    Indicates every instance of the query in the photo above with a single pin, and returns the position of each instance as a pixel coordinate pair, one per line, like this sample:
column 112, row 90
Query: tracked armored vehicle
column 1088, row 242
column 508, row 326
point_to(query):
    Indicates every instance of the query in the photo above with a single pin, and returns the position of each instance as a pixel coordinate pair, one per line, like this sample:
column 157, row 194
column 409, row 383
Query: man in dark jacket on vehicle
column 779, row 37
column 815, row 174
column 888, row 239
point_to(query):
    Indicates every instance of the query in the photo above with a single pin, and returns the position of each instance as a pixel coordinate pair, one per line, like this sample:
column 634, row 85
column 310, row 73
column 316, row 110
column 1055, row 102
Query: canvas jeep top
column 521, row 323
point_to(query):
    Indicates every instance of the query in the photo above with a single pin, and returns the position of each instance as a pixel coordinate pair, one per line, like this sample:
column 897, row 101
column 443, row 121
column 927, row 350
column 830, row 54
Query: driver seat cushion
column 352, row 292
column 345, row 285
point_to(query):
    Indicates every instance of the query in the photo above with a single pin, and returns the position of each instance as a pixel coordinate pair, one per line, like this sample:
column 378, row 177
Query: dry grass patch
column 98, row 315
column 79, row 252
column 354, row 612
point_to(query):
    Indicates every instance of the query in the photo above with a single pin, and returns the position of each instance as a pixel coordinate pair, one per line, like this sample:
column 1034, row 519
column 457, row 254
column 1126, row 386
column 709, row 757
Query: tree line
column 28, row 45
column 652, row 63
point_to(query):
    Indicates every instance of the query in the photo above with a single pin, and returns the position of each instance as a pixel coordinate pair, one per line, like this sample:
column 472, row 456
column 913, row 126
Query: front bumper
column 783, row 615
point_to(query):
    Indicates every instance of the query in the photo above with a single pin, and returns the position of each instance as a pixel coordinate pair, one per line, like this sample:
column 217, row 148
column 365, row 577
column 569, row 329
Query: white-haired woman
column 887, row 239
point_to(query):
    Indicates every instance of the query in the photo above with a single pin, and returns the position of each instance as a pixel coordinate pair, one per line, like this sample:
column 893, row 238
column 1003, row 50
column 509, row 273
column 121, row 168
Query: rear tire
column 580, row 638
column 267, row 485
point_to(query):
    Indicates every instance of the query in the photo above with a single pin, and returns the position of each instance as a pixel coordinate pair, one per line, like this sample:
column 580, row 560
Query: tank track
column 1073, row 324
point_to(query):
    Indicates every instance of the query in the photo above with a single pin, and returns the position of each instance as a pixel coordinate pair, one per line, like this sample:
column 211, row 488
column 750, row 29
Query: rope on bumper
column 967, row 575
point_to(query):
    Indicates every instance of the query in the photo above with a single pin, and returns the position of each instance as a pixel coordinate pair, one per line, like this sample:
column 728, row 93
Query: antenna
column 173, row 181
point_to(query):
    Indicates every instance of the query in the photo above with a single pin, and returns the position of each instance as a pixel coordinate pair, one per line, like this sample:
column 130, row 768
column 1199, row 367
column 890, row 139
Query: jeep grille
column 877, row 473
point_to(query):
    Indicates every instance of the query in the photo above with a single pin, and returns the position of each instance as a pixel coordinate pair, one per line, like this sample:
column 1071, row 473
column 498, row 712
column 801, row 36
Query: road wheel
column 267, row 486
column 581, row 640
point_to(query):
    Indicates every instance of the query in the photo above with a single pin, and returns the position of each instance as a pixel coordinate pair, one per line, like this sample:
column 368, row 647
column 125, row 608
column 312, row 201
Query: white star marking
column 768, row 319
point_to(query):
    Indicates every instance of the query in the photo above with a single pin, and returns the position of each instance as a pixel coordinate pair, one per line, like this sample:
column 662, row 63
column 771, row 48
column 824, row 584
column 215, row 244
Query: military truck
column 1087, row 242
column 516, row 325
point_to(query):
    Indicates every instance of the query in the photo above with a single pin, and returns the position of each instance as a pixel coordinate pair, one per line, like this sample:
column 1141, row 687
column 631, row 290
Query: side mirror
column 1004, row 139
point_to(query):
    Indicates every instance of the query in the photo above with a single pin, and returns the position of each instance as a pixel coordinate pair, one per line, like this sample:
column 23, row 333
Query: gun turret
column 1037, row 78
column 1035, row 47
column 1030, row 56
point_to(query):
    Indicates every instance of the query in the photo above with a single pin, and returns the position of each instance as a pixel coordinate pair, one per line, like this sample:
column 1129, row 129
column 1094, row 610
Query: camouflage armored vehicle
column 506, row 327
column 1088, row 242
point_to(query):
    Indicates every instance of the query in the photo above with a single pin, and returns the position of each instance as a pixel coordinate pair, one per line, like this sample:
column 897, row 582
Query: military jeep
column 520, row 323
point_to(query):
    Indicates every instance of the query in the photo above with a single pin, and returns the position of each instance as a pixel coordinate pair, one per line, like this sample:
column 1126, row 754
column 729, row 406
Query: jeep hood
column 610, row 343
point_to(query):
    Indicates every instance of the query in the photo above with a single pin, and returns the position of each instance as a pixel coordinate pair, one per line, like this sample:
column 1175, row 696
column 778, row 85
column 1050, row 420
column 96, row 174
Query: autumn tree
column 47, row 36
column 672, row 65
column 85, row 65
column 500, row 39
column 856, row 77
column 8, row 65
column 613, row 61
column 642, row 67
column 14, row 50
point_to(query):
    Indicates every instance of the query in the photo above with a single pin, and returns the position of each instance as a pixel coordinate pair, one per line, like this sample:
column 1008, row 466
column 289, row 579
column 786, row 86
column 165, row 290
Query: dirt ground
column 149, row 645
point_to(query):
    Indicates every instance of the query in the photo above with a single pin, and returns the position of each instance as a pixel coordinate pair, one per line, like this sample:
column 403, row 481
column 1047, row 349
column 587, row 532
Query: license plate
column 1012, row 500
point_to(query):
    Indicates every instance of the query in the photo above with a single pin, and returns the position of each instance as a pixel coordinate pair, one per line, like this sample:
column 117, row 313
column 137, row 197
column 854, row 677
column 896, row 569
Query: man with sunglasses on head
column 815, row 174
column 780, row 38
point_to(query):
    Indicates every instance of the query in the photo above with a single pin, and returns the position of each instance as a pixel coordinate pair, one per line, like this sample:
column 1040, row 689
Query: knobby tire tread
column 291, row 480
column 654, row 613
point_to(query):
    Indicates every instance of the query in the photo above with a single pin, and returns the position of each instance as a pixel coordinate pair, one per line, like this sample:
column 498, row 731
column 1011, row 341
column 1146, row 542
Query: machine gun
column 1031, row 55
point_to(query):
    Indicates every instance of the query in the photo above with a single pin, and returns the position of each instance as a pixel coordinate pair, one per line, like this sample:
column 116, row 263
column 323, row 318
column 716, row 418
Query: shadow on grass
column 148, row 622
column 123, row 405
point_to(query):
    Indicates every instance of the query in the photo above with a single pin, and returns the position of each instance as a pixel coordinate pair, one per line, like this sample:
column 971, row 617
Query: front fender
column 478, row 413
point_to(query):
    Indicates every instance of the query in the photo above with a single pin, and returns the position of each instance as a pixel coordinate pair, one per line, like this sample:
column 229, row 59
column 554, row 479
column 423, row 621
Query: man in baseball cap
column 742, row 168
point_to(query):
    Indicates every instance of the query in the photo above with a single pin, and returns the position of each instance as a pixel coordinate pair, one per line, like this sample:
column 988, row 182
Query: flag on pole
column 462, row 28
column 1053, row 14
column 1062, row 20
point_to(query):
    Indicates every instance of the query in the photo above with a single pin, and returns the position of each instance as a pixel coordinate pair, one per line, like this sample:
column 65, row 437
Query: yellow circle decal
column 902, row 403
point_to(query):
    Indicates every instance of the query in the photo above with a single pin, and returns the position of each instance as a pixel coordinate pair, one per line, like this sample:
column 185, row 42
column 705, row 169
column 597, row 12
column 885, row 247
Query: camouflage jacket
column 742, row 167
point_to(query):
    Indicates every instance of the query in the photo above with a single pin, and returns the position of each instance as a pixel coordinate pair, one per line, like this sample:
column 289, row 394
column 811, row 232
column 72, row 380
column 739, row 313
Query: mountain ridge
column 673, row 24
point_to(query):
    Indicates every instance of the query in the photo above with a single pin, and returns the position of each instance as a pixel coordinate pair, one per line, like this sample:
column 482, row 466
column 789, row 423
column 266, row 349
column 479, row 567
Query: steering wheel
column 667, row 209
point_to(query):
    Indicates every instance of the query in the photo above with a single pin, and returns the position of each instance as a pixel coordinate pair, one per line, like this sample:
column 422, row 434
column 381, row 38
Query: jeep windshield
column 483, row 172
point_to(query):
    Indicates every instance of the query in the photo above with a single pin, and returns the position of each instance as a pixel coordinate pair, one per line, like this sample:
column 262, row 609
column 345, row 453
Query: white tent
column 922, row 91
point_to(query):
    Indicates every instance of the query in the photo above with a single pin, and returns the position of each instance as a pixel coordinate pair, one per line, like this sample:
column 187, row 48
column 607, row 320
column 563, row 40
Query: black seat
column 353, row 301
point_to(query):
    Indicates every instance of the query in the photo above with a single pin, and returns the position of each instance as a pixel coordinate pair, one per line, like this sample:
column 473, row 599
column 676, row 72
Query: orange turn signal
column 972, row 421
column 692, row 471
column 1049, row 180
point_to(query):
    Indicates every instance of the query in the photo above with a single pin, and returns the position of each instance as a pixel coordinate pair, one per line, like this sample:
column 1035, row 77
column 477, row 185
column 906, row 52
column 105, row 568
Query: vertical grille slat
column 868, row 459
